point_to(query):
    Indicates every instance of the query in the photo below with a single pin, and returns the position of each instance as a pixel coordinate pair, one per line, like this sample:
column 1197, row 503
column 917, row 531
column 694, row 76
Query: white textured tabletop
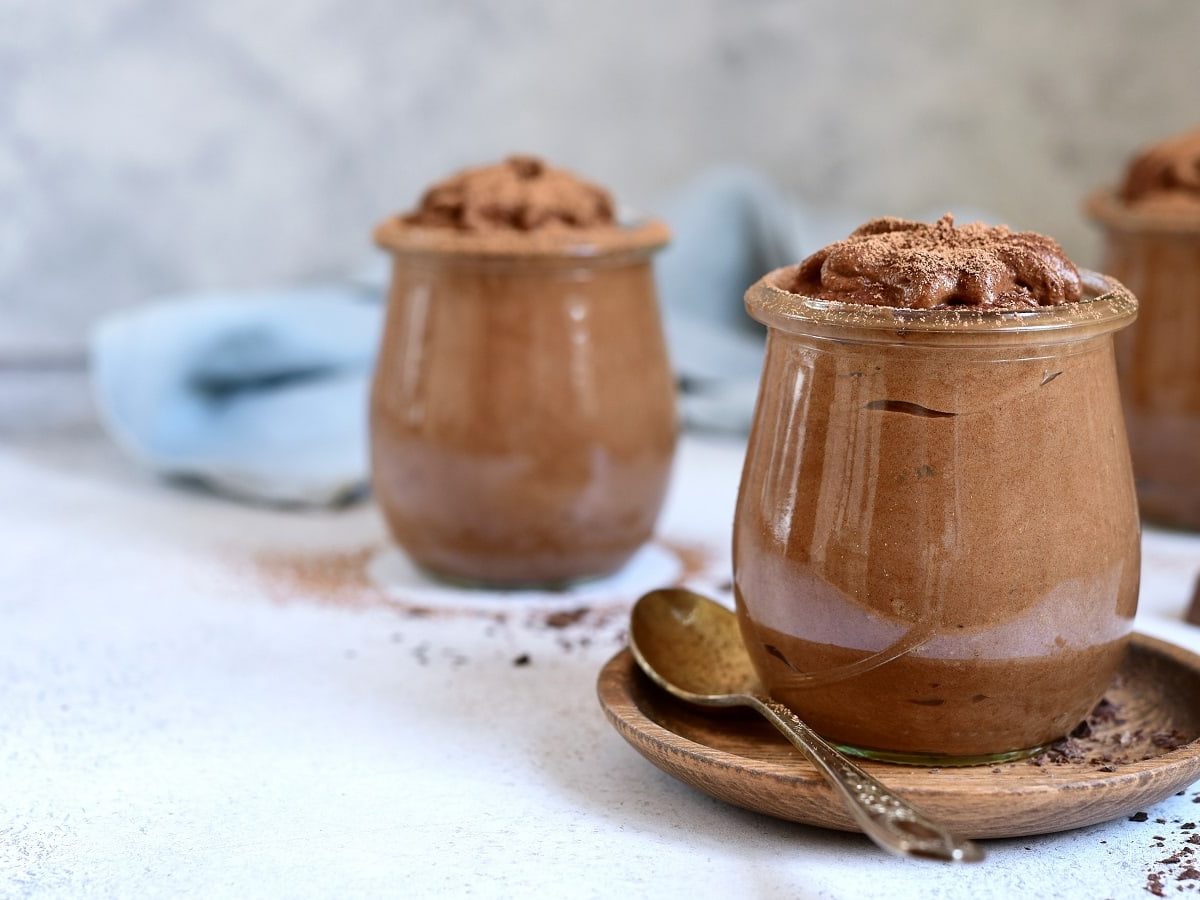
column 200, row 698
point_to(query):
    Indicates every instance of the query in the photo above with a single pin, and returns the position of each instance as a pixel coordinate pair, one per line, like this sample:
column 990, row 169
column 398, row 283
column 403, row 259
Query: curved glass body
column 522, row 414
column 936, row 547
column 1158, row 359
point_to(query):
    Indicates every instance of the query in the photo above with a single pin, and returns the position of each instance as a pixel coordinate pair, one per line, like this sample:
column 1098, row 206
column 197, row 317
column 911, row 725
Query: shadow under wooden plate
column 737, row 757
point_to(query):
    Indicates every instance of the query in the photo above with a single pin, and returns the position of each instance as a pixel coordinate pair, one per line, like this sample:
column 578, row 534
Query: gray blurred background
column 149, row 146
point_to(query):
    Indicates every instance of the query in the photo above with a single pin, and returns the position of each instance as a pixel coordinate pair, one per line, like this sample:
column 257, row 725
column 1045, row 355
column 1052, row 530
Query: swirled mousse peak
column 1165, row 176
column 520, row 194
column 913, row 265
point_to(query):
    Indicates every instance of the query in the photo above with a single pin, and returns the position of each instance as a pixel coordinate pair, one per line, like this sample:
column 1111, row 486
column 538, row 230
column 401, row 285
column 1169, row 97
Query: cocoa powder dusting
column 696, row 559
column 337, row 577
column 522, row 193
column 341, row 578
column 912, row 265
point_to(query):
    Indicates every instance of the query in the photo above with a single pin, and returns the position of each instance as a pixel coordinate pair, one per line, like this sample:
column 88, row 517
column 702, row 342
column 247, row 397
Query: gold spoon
column 690, row 646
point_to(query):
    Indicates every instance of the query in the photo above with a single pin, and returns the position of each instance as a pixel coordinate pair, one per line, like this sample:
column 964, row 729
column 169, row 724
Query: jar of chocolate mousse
column 936, row 548
column 1152, row 243
column 523, row 411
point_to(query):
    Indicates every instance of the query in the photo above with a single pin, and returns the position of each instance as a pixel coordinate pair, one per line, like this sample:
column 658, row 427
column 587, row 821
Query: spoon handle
column 886, row 819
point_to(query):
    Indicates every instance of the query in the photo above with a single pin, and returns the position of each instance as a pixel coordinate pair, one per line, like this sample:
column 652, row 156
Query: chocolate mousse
column 520, row 194
column 1165, row 177
column 936, row 546
column 522, row 414
column 912, row 265
column 1151, row 226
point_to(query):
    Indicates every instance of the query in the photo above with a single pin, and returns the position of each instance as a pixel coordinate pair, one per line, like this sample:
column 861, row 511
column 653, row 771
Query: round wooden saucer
column 737, row 757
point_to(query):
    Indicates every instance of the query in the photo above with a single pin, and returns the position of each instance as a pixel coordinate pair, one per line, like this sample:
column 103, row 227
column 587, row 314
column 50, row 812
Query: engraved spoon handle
column 886, row 819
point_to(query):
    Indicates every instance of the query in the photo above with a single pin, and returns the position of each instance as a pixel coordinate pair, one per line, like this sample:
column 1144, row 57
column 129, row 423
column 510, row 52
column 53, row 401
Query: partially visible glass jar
column 1158, row 359
column 523, row 410
column 936, row 547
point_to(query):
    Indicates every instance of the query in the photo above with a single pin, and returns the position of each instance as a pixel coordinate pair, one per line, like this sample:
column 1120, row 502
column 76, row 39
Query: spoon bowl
column 691, row 647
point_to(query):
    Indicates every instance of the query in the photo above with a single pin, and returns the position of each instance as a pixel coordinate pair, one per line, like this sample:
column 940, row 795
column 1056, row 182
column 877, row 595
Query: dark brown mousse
column 913, row 265
column 522, row 193
column 1165, row 177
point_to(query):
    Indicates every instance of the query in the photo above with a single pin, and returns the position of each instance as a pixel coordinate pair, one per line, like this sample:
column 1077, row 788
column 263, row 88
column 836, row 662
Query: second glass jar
column 1158, row 359
column 522, row 414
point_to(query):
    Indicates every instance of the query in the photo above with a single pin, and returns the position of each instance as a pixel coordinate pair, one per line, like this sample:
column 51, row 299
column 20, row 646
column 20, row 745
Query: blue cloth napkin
column 729, row 227
column 259, row 395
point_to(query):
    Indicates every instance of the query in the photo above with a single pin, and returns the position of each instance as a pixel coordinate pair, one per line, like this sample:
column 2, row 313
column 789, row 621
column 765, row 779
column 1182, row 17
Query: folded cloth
column 729, row 227
column 260, row 395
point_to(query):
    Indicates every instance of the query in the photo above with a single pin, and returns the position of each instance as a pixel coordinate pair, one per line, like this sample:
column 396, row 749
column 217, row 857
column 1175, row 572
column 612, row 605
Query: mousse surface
column 1165, row 177
column 913, row 265
column 522, row 194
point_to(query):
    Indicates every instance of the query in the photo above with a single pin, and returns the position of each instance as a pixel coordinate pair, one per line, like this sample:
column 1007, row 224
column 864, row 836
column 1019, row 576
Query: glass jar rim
column 1108, row 306
column 636, row 238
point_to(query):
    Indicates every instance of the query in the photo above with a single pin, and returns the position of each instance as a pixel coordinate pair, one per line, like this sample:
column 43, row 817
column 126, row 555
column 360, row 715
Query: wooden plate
column 737, row 757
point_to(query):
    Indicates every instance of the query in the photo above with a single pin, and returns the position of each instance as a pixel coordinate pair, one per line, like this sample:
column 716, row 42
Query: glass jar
column 523, row 409
column 1158, row 359
column 936, row 548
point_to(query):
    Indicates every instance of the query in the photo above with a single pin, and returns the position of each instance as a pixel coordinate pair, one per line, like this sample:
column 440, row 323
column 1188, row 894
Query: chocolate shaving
column 566, row 618
column 909, row 408
column 1168, row 740
column 1098, row 741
